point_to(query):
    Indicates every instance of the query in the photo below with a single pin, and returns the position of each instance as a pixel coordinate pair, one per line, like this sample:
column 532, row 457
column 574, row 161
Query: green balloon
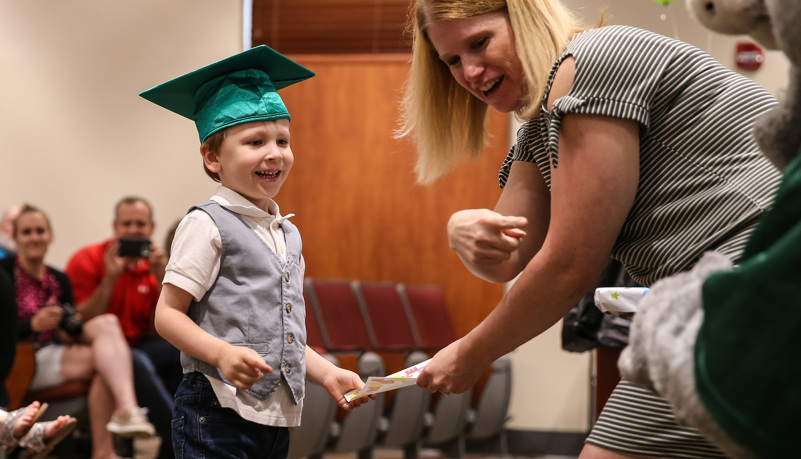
column 664, row 2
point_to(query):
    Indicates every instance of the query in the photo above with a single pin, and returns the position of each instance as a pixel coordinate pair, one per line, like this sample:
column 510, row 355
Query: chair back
column 428, row 314
column 339, row 315
column 314, row 335
column 384, row 310
column 21, row 375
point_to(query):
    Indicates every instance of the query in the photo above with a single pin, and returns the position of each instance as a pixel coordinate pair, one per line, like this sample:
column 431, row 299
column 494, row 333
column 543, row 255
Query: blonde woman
column 635, row 146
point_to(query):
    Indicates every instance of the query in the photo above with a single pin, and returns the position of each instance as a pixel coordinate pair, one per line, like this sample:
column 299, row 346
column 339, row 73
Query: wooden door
column 353, row 190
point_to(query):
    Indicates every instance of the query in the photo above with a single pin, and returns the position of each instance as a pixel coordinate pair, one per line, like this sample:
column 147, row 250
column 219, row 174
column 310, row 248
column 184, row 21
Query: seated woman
column 19, row 427
column 95, row 351
column 38, row 438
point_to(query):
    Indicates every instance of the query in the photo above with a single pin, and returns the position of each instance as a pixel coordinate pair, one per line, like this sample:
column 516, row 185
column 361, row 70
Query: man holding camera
column 127, row 286
column 122, row 276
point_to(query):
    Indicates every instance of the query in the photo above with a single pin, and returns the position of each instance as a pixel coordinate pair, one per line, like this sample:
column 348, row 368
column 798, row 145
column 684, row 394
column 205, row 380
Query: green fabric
column 239, row 97
column 239, row 89
column 748, row 350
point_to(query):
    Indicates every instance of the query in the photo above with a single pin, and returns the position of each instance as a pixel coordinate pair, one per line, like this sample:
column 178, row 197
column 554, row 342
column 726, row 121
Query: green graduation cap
column 239, row 89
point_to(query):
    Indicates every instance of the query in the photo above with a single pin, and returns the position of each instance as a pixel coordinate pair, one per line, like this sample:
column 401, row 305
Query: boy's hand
column 341, row 381
column 243, row 366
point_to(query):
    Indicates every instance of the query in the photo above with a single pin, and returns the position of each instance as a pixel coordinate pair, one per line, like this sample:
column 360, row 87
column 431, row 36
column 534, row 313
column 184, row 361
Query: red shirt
column 135, row 293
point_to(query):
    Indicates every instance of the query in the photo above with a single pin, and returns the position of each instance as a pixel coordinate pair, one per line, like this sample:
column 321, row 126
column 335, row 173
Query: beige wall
column 551, row 388
column 76, row 137
column 75, row 134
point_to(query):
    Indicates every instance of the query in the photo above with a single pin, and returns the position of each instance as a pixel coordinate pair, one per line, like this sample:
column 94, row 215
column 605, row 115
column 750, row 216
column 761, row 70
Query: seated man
column 128, row 286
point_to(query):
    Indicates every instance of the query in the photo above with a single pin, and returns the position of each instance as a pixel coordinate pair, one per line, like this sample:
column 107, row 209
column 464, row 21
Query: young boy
column 232, row 300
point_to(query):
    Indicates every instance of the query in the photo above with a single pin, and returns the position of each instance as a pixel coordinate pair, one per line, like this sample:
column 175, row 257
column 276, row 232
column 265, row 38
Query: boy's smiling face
column 254, row 159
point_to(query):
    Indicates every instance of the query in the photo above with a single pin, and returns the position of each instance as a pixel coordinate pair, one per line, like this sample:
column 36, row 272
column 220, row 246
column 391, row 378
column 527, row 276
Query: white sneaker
column 131, row 423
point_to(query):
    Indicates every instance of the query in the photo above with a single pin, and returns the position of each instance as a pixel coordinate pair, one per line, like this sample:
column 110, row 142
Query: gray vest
column 255, row 302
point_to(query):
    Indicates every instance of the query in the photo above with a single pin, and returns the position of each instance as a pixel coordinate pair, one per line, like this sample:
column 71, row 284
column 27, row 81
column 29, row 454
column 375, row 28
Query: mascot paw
column 660, row 354
column 778, row 136
column 663, row 331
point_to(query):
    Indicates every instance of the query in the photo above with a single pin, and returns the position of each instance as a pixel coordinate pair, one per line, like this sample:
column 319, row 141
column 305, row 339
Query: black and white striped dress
column 703, row 183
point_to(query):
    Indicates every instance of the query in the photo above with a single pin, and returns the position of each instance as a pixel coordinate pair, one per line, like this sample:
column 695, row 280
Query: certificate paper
column 394, row 381
column 619, row 301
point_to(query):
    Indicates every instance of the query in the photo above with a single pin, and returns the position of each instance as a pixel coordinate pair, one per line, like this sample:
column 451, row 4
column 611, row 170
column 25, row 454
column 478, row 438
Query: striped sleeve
column 703, row 182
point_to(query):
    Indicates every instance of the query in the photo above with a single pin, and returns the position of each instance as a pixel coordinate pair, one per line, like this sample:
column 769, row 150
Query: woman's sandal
column 37, row 446
column 7, row 437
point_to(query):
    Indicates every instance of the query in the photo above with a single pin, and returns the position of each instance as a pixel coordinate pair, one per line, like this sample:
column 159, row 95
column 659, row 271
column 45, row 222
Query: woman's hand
column 243, row 366
column 484, row 237
column 47, row 318
column 452, row 370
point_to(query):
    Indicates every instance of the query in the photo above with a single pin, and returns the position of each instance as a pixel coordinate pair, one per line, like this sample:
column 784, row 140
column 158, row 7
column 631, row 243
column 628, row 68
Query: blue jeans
column 166, row 360
column 151, row 394
column 201, row 428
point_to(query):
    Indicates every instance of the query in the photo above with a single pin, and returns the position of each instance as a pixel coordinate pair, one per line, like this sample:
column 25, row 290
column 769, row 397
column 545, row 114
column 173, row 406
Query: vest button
column 288, row 368
column 288, row 307
column 290, row 338
column 286, row 277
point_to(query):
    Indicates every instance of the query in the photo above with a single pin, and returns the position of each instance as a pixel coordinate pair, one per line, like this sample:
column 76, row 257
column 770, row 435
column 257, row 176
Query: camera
column 69, row 323
column 134, row 247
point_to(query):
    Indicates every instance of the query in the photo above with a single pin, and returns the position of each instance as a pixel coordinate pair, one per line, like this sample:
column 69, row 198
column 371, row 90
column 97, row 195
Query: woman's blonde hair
column 445, row 121
column 29, row 209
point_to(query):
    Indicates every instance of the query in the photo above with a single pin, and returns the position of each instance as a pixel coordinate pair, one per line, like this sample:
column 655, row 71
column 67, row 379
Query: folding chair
column 486, row 420
column 427, row 311
column 319, row 409
column 390, row 332
column 428, row 316
column 343, row 331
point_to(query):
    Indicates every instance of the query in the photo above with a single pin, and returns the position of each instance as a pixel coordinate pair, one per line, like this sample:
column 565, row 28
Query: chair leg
column 503, row 443
column 366, row 453
column 411, row 450
column 456, row 448
column 123, row 447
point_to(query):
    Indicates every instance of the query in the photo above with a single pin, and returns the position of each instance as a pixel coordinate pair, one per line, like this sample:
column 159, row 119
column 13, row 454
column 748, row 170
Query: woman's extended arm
column 592, row 192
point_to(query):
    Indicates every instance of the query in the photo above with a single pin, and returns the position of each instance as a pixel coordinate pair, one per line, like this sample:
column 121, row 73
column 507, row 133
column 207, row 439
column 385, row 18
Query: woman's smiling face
column 480, row 53
column 33, row 236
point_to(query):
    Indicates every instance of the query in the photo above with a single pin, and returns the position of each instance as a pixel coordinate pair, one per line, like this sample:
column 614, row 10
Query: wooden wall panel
column 361, row 214
column 331, row 26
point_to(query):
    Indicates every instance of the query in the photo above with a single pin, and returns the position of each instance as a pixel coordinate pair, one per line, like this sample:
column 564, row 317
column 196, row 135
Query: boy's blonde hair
column 444, row 119
column 213, row 143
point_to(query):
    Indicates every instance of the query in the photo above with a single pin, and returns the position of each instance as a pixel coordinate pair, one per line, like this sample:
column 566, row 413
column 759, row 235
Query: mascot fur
column 723, row 344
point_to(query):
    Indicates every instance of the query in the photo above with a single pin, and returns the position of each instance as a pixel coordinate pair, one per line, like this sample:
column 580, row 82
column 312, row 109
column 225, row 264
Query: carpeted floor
column 146, row 449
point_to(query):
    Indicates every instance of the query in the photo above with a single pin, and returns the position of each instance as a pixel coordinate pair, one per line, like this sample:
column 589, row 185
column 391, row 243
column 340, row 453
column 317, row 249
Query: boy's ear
column 210, row 159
